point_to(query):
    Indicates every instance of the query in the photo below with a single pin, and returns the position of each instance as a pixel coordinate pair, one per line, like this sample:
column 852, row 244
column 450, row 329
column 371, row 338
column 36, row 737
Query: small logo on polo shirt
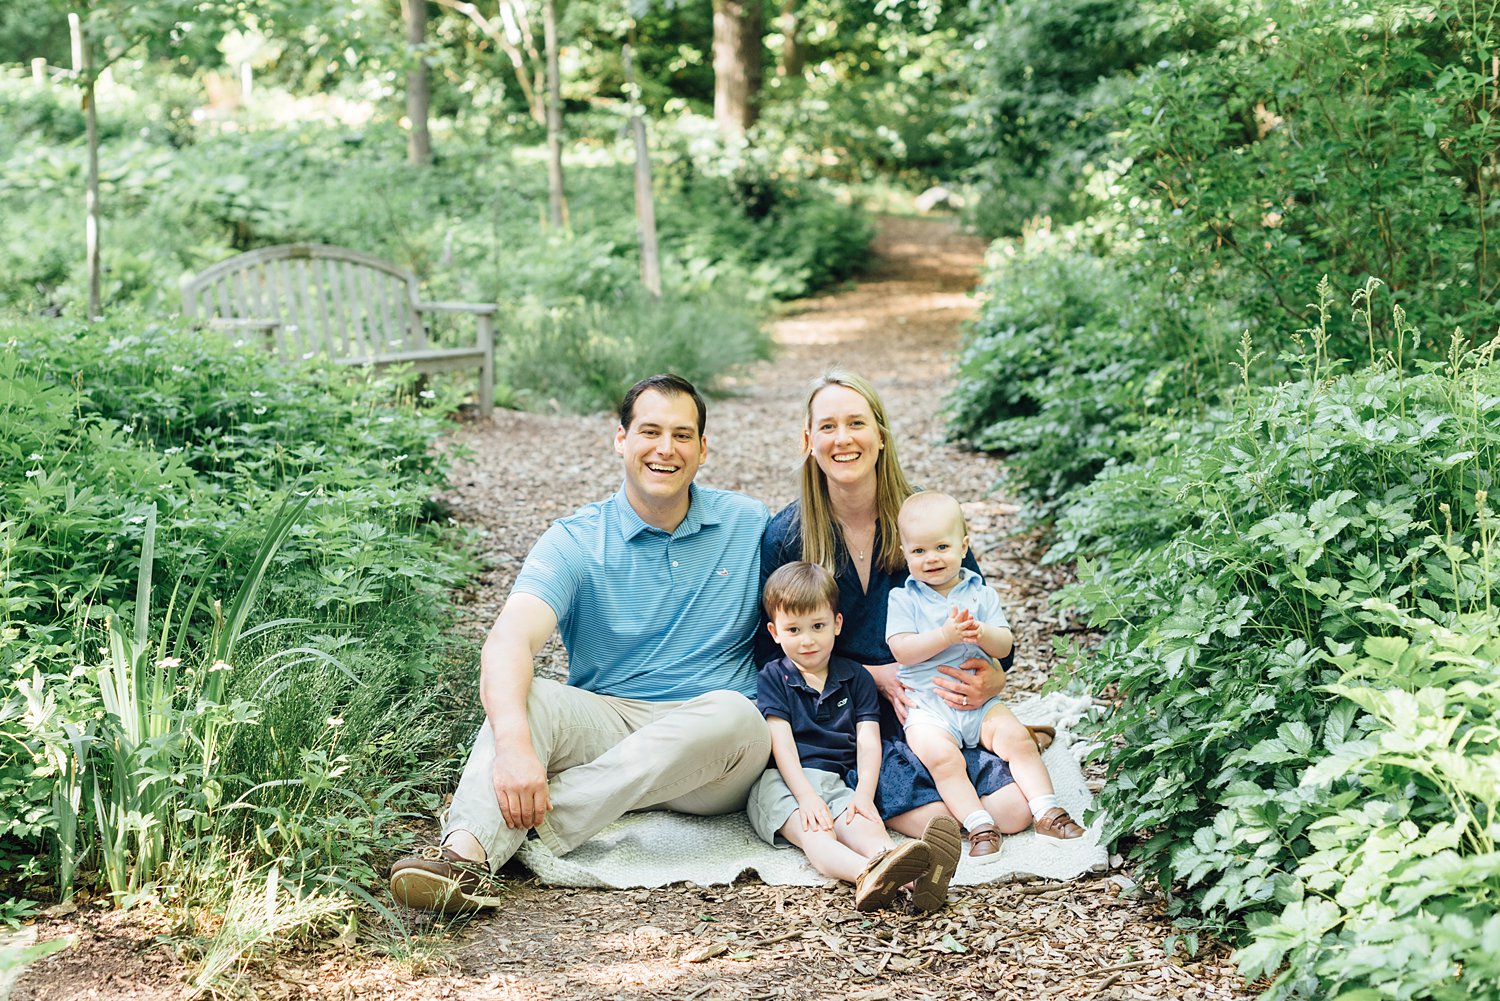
column 842, row 703
column 722, row 572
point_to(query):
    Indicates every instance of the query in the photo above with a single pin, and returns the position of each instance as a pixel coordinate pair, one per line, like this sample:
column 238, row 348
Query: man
column 655, row 594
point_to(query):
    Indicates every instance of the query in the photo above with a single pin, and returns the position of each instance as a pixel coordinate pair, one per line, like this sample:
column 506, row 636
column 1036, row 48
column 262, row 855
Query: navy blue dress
column 904, row 781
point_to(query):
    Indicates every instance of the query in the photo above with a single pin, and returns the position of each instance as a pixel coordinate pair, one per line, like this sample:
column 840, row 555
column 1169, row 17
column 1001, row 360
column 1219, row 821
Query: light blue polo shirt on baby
column 915, row 608
column 651, row 615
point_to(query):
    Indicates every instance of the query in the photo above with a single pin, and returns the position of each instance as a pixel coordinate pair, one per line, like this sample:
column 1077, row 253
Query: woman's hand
column 970, row 685
column 891, row 688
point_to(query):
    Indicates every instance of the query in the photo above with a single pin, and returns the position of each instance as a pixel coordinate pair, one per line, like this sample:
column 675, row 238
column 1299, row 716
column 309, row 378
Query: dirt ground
column 1096, row 937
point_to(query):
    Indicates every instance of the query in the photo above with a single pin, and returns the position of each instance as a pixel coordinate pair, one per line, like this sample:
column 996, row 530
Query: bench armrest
column 477, row 308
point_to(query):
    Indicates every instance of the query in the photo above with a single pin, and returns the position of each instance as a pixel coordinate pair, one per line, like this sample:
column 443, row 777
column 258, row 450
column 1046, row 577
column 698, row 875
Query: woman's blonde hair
column 819, row 536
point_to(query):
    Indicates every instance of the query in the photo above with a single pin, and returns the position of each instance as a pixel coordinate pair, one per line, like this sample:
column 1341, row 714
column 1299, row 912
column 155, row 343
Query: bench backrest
column 321, row 299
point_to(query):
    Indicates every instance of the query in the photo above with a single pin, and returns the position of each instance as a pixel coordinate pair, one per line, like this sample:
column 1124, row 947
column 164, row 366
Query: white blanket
column 658, row 848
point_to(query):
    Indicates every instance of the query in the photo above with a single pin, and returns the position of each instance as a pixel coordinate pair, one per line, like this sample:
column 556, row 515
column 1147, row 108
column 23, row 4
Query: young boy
column 824, row 716
column 942, row 613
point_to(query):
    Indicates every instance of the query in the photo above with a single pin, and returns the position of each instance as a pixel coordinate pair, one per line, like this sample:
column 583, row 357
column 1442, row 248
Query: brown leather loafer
column 888, row 872
column 439, row 879
column 984, row 843
column 945, row 846
column 1057, row 825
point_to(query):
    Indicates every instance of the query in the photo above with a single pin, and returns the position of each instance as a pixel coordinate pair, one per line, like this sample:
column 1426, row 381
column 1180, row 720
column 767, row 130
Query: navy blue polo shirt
column 823, row 723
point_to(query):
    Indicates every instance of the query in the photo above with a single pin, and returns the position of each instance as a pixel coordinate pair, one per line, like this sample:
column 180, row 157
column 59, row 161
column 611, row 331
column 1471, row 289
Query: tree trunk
column 790, row 24
column 418, row 94
column 737, row 65
column 557, row 202
column 645, row 206
column 83, row 65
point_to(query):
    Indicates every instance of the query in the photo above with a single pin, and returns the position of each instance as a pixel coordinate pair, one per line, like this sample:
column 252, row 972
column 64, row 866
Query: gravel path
column 1098, row 937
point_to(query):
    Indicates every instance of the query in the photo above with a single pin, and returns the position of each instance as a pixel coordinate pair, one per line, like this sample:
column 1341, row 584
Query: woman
column 852, row 488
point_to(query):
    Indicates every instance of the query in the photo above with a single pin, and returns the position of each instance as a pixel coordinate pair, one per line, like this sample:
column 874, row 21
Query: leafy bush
column 1299, row 593
column 1067, row 361
column 253, row 549
column 1347, row 140
column 614, row 346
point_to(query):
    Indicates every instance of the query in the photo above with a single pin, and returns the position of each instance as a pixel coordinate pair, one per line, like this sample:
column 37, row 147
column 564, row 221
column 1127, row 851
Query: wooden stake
column 645, row 207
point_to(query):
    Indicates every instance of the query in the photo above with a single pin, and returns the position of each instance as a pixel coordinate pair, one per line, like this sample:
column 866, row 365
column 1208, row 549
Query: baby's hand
column 965, row 629
column 815, row 815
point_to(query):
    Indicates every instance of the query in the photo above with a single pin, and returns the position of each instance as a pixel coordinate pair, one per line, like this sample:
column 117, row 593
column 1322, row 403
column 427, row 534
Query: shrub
column 145, row 481
column 1298, row 590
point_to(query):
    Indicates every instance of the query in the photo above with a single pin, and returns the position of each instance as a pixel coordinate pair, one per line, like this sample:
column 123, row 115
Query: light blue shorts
column 963, row 725
column 772, row 803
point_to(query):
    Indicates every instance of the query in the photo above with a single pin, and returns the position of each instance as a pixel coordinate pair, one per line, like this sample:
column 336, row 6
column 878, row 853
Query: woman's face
column 842, row 435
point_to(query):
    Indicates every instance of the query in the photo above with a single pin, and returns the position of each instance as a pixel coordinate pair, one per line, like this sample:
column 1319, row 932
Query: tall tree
column 557, row 203
column 790, row 26
column 738, row 29
column 511, row 32
column 418, row 92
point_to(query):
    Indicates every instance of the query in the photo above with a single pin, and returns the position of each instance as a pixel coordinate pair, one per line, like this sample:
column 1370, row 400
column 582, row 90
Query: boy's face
column 806, row 637
column 934, row 545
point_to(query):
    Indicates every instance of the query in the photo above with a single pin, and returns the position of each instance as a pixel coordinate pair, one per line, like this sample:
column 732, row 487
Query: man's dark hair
column 666, row 384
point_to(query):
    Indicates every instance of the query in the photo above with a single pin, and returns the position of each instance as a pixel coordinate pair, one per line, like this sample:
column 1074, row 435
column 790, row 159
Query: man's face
column 806, row 637
column 662, row 448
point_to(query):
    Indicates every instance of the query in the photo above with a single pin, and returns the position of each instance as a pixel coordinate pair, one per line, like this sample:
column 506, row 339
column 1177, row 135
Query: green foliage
column 1067, row 362
column 1298, row 590
column 206, row 670
column 1048, row 78
column 1348, row 139
column 613, row 346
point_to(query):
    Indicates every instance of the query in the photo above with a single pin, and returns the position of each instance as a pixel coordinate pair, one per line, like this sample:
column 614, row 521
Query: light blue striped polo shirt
column 649, row 615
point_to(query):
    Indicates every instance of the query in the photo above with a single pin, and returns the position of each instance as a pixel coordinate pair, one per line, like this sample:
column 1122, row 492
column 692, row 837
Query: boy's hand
column 861, row 806
column 815, row 815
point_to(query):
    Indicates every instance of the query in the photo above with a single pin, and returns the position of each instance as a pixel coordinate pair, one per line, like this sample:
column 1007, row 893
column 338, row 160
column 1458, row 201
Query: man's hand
column 520, row 784
column 891, row 688
column 815, row 815
column 970, row 685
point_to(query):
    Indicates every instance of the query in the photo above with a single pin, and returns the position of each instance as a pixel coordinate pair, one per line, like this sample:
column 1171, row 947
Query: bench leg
column 487, row 369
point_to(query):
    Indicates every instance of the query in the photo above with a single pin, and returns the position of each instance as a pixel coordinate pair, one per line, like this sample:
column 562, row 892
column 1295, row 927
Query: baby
column 942, row 613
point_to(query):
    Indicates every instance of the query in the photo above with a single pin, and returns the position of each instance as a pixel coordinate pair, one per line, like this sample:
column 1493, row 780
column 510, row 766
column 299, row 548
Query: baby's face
column 934, row 545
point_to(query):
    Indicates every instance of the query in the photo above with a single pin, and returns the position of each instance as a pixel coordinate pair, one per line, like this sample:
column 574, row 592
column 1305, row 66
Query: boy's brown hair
column 799, row 588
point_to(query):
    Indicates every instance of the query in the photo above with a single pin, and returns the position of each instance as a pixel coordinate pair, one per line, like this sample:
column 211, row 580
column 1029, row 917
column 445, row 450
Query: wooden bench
column 310, row 299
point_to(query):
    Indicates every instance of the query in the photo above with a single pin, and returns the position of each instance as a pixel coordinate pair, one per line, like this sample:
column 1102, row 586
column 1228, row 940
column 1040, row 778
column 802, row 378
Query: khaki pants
column 607, row 756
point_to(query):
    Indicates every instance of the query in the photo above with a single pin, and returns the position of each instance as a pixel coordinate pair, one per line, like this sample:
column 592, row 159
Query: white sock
column 1041, row 805
column 978, row 819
